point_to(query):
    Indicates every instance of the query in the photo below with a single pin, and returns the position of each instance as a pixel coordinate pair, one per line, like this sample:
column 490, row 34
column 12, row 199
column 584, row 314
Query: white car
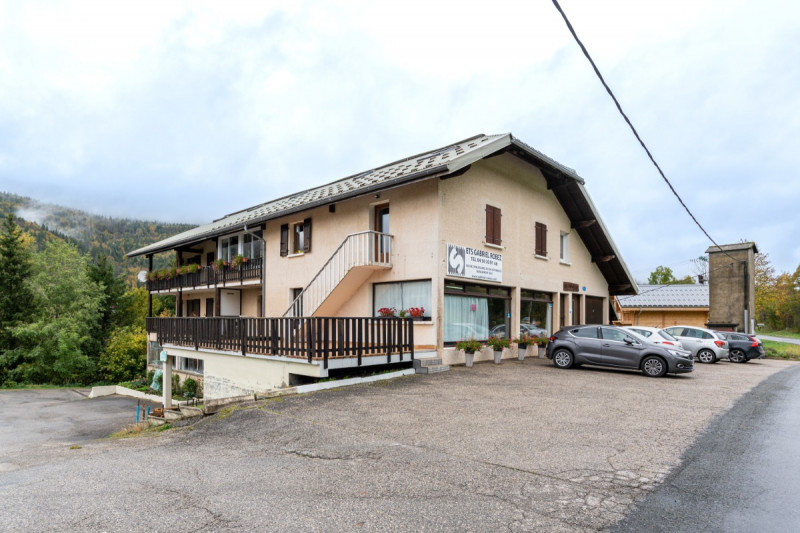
column 708, row 346
column 655, row 335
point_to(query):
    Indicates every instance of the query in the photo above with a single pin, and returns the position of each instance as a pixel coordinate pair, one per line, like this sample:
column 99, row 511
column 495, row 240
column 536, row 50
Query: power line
column 633, row 129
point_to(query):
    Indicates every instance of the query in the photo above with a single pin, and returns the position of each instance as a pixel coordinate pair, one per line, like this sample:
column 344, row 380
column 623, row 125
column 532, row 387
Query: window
column 541, row 239
column 300, row 238
column 535, row 313
column 193, row 307
column 564, row 255
column 493, row 232
column 189, row 364
column 252, row 246
column 402, row 295
column 586, row 333
column 616, row 335
column 475, row 312
column 228, row 247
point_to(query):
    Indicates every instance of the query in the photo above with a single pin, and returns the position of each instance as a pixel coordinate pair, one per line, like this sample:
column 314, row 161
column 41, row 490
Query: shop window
column 493, row 226
column 402, row 295
column 475, row 312
column 536, row 313
column 541, row 239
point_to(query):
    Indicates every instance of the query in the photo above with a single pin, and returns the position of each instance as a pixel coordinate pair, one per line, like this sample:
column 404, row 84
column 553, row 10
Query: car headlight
column 682, row 354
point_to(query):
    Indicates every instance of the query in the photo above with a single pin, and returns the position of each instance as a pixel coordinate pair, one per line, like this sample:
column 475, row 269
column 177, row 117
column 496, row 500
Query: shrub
column 125, row 356
column 190, row 388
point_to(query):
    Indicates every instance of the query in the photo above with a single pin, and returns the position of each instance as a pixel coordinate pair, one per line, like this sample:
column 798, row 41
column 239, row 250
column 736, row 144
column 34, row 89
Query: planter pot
column 541, row 351
column 469, row 358
column 498, row 356
column 521, row 352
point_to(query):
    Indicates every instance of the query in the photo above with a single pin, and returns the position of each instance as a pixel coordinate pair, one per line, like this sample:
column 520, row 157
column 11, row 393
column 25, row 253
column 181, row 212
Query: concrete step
column 432, row 369
column 427, row 361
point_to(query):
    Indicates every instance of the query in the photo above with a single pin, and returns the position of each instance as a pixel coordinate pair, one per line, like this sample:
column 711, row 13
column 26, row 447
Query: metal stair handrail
column 365, row 248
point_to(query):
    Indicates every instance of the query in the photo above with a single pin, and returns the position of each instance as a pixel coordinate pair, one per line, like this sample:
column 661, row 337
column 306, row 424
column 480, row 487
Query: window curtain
column 403, row 295
column 461, row 322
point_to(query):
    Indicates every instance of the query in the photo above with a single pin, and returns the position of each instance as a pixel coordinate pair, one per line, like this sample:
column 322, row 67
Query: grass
column 779, row 333
column 781, row 350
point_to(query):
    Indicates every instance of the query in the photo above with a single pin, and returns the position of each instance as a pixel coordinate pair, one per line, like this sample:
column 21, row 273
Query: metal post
column 166, row 386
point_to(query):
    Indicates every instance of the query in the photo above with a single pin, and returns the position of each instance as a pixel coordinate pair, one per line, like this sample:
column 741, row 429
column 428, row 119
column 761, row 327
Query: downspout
column 639, row 314
column 263, row 270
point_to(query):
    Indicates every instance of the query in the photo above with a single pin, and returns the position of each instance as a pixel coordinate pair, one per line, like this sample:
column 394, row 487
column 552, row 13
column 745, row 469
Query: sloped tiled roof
column 676, row 295
column 442, row 160
column 450, row 160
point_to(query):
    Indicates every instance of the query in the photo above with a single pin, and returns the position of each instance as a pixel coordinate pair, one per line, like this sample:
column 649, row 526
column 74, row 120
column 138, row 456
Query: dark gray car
column 615, row 347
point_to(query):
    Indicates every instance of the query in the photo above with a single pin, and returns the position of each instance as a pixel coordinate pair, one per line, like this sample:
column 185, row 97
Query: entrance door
column 209, row 307
column 576, row 309
column 594, row 310
column 382, row 242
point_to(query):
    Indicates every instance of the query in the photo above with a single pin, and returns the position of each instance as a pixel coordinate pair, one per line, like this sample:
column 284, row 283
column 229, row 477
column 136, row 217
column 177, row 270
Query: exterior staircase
column 430, row 365
column 347, row 269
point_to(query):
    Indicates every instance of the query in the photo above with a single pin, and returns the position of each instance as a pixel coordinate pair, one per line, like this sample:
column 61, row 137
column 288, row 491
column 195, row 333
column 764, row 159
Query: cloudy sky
column 186, row 111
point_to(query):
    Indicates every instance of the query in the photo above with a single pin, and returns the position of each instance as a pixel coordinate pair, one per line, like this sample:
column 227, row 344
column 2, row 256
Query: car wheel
column 737, row 356
column 653, row 366
column 563, row 358
column 706, row 356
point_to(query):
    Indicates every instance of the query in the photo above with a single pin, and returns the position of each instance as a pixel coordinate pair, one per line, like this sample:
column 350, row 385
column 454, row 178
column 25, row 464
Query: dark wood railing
column 209, row 276
column 304, row 337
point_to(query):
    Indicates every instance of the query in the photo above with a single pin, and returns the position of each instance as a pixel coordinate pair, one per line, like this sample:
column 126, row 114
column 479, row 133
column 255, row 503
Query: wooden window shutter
column 493, row 233
column 284, row 240
column 307, row 235
column 541, row 239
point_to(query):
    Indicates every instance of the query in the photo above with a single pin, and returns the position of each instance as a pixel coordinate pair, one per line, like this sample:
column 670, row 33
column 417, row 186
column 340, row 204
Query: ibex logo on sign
column 456, row 260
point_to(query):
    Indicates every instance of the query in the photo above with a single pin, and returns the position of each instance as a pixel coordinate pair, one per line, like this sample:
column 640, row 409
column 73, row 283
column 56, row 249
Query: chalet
column 482, row 237
column 661, row 306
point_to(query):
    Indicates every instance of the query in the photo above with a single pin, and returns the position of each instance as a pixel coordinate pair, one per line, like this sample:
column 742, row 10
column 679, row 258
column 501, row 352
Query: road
column 742, row 475
column 778, row 339
column 36, row 420
column 521, row 446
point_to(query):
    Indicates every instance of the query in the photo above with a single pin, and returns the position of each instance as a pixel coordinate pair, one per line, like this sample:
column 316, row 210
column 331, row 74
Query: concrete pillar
column 166, row 385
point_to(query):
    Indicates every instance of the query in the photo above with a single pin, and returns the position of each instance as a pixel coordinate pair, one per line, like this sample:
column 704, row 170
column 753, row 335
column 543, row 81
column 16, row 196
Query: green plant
column 238, row 260
column 402, row 313
column 469, row 346
column 498, row 343
column 524, row 340
column 190, row 388
column 541, row 341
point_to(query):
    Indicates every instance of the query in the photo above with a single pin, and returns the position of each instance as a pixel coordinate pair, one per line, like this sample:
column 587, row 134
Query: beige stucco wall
column 520, row 191
column 227, row 375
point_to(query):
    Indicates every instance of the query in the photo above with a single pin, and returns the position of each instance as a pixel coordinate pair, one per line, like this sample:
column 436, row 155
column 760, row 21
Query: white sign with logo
column 465, row 262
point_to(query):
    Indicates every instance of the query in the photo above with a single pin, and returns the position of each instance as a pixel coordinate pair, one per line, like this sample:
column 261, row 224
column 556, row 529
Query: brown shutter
column 284, row 240
column 541, row 239
column 497, row 234
column 307, row 235
column 493, row 225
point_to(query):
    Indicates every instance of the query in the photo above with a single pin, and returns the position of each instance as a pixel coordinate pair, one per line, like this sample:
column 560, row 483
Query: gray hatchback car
column 615, row 347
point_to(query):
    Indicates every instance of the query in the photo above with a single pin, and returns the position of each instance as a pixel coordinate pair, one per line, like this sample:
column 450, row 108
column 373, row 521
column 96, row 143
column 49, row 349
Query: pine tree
column 15, row 294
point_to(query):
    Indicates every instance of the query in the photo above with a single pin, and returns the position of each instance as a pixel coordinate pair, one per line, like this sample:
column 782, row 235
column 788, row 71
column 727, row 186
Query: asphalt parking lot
column 515, row 447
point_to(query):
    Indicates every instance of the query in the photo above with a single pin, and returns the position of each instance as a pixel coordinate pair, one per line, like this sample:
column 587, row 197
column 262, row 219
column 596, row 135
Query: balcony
column 209, row 276
column 315, row 339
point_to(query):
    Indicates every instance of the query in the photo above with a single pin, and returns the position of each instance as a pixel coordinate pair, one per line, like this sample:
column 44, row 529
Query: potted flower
column 238, row 260
column 541, row 342
column 402, row 313
column 219, row 264
column 497, row 344
column 386, row 312
column 417, row 313
column 523, row 342
column 469, row 347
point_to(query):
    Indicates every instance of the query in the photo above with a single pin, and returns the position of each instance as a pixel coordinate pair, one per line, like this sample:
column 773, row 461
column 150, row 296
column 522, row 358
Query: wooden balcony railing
column 209, row 276
column 312, row 338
